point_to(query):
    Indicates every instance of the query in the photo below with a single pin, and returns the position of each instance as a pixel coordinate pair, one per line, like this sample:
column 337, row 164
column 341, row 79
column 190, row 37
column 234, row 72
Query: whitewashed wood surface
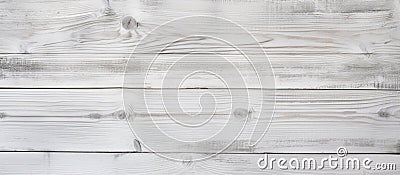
column 336, row 65
column 146, row 163
column 305, row 121
column 294, row 26
column 292, row 71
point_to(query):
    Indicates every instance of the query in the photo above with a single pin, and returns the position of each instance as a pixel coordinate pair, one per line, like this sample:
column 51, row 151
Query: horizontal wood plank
column 147, row 163
column 304, row 121
column 90, row 26
column 304, row 71
column 284, row 136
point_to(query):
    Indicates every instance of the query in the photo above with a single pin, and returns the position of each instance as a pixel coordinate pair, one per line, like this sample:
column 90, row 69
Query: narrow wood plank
column 308, row 71
column 146, row 163
column 304, row 121
column 297, row 26
column 285, row 136
column 65, row 134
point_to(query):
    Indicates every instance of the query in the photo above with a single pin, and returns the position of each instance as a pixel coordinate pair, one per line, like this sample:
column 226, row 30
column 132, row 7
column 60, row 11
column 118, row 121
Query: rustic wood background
column 336, row 64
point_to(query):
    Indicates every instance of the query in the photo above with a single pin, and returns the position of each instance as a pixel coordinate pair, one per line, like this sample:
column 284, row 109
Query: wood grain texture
column 305, row 121
column 304, row 71
column 147, row 163
column 311, row 26
column 62, row 65
column 108, row 135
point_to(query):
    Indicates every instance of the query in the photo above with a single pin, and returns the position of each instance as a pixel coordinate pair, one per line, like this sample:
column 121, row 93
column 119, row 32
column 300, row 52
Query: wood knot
column 241, row 113
column 137, row 145
column 392, row 111
column 94, row 116
column 2, row 115
column 119, row 114
column 129, row 23
column 383, row 114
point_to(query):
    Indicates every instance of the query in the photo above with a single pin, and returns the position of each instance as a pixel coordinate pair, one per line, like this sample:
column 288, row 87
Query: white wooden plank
column 305, row 135
column 147, row 163
column 65, row 134
column 82, row 102
column 82, row 44
column 297, row 26
column 59, row 102
column 308, row 71
column 305, row 121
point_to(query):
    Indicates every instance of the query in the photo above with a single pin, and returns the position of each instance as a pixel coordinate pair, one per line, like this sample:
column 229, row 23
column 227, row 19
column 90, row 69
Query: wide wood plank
column 285, row 136
column 305, row 121
column 91, row 26
column 305, row 71
column 147, row 163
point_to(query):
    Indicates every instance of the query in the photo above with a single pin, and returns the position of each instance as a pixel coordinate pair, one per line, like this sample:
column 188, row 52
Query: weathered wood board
column 148, row 163
column 305, row 121
column 335, row 65
column 291, row 71
column 295, row 26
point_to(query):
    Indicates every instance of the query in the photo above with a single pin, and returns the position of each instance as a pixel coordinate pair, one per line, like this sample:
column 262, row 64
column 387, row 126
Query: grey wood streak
column 91, row 26
column 315, row 121
column 305, row 71
column 145, row 163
